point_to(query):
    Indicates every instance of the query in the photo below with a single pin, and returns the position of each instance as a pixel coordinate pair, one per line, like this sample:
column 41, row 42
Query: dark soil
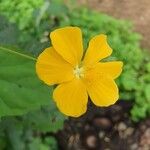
column 138, row 11
column 105, row 129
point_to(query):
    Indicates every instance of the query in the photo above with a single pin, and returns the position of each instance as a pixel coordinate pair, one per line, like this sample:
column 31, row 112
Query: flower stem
column 17, row 53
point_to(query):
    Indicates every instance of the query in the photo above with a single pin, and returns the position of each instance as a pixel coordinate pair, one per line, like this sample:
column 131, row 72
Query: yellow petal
column 71, row 98
column 52, row 68
column 97, row 50
column 102, row 89
column 112, row 69
column 68, row 43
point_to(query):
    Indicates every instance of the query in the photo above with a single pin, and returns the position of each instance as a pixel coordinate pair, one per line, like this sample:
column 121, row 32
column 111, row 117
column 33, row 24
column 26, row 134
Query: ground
column 138, row 11
column 108, row 128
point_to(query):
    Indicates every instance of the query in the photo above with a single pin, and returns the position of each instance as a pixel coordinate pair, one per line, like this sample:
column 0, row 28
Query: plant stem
column 17, row 53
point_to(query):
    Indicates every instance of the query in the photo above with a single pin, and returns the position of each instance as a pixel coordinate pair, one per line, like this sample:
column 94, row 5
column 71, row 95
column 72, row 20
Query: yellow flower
column 63, row 64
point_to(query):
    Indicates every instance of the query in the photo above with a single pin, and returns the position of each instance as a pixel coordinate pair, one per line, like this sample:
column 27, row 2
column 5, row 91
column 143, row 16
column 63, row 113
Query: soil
column 105, row 129
column 138, row 11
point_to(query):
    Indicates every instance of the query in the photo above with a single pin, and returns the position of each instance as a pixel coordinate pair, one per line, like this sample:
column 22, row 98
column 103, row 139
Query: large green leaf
column 51, row 120
column 20, row 89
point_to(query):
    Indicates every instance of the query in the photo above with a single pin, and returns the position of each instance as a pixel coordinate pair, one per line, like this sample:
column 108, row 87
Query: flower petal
column 68, row 43
column 112, row 69
column 97, row 50
column 102, row 90
column 52, row 68
column 71, row 98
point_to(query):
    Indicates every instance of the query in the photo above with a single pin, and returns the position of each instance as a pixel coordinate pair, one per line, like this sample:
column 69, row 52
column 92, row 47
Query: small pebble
column 129, row 131
column 91, row 141
column 103, row 123
column 145, row 139
column 134, row 146
column 106, row 139
column 46, row 33
column 87, row 127
column 44, row 39
column 122, row 126
column 101, row 134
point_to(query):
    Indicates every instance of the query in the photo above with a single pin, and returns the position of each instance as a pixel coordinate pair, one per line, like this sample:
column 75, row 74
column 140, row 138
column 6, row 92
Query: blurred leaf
column 3, row 142
column 9, row 34
column 42, row 12
column 147, row 92
column 57, row 8
column 138, row 112
column 148, row 67
column 20, row 89
column 129, row 80
column 36, row 144
column 52, row 143
column 47, row 119
column 20, row 12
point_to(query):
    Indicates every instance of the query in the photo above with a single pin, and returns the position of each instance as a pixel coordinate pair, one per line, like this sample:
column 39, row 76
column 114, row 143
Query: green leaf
column 20, row 89
column 147, row 92
column 139, row 112
column 51, row 141
column 51, row 120
column 57, row 8
column 129, row 80
column 148, row 67
column 9, row 34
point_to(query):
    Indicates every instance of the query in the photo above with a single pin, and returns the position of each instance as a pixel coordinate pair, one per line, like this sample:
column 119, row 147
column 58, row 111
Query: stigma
column 78, row 72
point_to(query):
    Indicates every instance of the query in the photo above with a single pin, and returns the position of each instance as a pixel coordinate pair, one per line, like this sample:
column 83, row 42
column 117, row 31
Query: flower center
column 78, row 72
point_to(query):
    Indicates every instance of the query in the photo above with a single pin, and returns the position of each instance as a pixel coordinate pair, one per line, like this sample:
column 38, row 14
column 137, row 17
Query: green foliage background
column 26, row 106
